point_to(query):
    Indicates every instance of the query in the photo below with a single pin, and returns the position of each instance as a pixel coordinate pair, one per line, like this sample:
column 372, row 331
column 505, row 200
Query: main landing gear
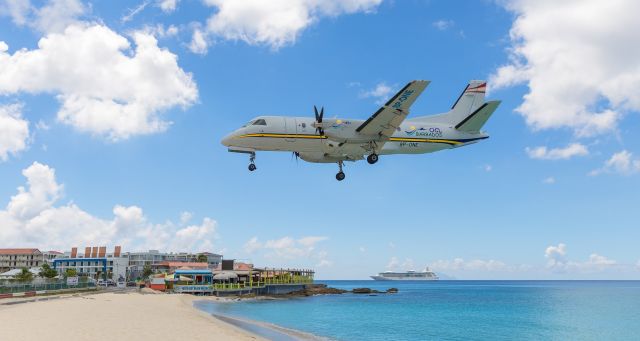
column 252, row 165
column 372, row 158
column 340, row 176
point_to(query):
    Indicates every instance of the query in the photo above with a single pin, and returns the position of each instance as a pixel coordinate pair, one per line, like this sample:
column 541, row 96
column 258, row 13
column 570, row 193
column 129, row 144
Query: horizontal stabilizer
column 478, row 118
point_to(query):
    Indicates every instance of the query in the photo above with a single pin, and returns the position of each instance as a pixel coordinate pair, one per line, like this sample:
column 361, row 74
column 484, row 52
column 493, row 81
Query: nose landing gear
column 340, row 176
column 252, row 165
column 372, row 158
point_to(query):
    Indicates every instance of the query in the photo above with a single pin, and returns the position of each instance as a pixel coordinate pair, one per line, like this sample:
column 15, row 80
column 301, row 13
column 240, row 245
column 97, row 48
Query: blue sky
column 133, row 134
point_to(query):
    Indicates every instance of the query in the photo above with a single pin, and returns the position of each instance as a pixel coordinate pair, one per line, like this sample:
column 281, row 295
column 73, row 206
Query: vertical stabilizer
column 469, row 101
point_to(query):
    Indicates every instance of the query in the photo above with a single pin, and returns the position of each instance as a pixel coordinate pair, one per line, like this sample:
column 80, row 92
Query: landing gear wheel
column 340, row 176
column 373, row 158
column 252, row 165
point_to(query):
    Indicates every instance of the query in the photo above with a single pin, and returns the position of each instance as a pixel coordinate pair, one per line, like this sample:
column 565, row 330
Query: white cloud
column 621, row 162
column 580, row 60
column 252, row 245
column 14, row 130
column 473, row 265
column 362, row 249
column 288, row 248
column 443, row 25
column 275, row 23
column 381, row 92
column 168, row 6
column 18, row 10
column 543, row 153
column 104, row 86
column 488, row 168
column 549, row 180
column 33, row 218
column 53, row 16
column 559, row 263
column 198, row 42
column 56, row 15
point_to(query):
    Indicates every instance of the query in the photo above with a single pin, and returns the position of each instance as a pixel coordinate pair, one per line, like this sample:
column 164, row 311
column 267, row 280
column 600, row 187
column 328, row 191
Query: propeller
column 296, row 154
column 319, row 119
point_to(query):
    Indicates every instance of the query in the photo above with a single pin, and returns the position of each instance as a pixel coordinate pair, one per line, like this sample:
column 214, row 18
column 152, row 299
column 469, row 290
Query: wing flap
column 389, row 117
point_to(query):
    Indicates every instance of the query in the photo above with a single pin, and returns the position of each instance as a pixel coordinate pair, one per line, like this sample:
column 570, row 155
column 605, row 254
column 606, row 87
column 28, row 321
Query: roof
column 14, row 272
column 18, row 251
column 55, row 252
column 184, row 264
column 193, row 272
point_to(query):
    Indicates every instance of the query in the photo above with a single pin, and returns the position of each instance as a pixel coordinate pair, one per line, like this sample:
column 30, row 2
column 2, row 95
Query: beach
column 115, row 316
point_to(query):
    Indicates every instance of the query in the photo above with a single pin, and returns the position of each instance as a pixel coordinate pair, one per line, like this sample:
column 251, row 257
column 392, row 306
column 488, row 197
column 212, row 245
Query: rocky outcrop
column 323, row 289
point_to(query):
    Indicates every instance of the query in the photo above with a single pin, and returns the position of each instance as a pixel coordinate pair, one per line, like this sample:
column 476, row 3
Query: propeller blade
column 315, row 111
column 321, row 114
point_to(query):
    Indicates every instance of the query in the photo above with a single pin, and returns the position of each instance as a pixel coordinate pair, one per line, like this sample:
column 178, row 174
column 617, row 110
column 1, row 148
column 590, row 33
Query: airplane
column 386, row 132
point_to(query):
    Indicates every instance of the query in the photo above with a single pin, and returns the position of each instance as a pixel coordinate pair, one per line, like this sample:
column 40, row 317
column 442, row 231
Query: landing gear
column 340, row 176
column 372, row 158
column 252, row 165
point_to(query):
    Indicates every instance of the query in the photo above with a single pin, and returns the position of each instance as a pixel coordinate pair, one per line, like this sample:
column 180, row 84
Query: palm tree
column 202, row 258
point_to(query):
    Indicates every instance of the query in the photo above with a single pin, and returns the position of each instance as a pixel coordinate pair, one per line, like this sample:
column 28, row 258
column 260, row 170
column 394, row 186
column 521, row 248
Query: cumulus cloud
column 275, row 23
column 14, row 130
column 168, row 6
column 544, row 153
column 105, row 86
column 53, row 16
column 289, row 248
column 579, row 59
column 557, row 261
column 33, row 217
column 381, row 92
column 199, row 42
column 621, row 162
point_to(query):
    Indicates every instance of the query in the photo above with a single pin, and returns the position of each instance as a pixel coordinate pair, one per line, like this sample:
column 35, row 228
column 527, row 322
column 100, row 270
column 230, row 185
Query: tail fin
column 469, row 101
column 478, row 118
column 469, row 112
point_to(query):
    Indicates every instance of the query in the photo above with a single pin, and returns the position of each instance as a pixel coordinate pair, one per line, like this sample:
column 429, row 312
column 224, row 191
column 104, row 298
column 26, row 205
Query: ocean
column 457, row 310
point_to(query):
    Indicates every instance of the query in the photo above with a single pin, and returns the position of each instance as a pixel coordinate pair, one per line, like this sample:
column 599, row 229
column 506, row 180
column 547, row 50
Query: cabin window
column 260, row 122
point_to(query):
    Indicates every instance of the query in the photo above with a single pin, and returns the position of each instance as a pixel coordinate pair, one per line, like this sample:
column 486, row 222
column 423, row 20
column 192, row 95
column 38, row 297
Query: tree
column 146, row 271
column 202, row 258
column 24, row 276
column 47, row 271
column 70, row 272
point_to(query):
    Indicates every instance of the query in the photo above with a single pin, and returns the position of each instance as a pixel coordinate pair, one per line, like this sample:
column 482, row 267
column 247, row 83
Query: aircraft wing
column 389, row 117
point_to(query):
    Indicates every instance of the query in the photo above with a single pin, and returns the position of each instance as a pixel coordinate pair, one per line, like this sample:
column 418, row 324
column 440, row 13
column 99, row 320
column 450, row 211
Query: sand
column 114, row 316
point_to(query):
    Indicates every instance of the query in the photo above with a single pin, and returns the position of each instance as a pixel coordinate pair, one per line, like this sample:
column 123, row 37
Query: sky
column 112, row 112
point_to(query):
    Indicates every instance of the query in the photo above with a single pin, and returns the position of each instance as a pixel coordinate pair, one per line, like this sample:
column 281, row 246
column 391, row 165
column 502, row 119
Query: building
column 95, row 263
column 155, row 260
column 20, row 258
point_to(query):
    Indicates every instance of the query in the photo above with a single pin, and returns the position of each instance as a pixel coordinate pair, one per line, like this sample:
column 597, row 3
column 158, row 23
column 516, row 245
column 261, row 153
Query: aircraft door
column 291, row 128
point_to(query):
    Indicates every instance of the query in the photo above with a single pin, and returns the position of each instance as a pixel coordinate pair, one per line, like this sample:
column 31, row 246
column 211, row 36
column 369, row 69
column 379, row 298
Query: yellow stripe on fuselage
column 289, row 136
column 392, row 139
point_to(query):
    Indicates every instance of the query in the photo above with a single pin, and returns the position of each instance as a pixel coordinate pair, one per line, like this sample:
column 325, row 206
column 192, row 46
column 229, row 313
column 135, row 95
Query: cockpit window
column 260, row 122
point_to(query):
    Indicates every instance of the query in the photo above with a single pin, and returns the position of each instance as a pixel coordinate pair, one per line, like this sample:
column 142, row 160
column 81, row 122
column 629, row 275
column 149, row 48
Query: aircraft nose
column 226, row 141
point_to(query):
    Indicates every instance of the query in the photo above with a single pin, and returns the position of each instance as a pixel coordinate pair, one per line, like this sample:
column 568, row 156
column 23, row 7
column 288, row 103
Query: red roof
column 193, row 265
column 18, row 251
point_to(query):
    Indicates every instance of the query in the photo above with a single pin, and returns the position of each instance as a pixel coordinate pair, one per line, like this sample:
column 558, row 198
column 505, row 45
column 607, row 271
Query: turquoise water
column 458, row 310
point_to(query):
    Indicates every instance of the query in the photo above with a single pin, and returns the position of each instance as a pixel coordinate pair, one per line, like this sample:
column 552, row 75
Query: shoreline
column 122, row 315
column 263, row 329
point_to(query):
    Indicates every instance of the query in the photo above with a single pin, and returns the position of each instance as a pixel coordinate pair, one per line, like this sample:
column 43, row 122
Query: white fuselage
column 340, row 143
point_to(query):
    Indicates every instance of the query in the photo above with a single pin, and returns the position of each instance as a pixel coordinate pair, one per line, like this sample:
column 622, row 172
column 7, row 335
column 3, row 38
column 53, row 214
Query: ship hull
column 381, row 278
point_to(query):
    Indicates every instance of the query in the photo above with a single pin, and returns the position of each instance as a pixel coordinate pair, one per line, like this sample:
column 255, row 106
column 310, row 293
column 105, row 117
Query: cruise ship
column 411, row 275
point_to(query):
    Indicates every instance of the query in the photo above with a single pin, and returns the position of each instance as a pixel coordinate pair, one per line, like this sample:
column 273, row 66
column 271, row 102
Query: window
column 260, row 122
